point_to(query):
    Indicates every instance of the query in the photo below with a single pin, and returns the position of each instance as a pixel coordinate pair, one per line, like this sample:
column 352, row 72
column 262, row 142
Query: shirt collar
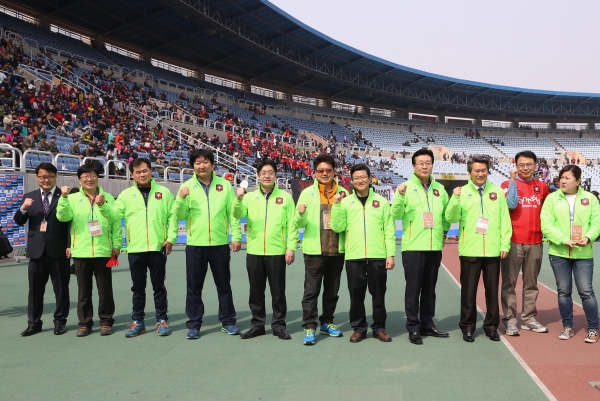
column 51, row 191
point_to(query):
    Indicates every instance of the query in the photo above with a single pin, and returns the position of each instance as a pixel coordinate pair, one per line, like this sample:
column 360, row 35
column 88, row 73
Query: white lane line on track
column 529, row 371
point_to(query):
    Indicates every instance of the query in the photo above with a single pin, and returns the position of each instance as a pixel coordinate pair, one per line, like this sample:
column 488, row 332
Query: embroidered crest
column 342, row 194
column 375, row 204
column 436, row 192
column 536, row 189
column 278, row 200
column 158, row 195
column 219, row 188
column 585, row 202
column 493, row 196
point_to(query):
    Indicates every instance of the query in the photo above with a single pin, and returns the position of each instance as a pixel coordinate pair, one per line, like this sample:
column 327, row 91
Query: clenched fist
column 457, row 191
column 240, row 193
column 99, row 199
column 184, row 192
column 402, row 189
column 64, row 191
column 337, row 198
column 26, row 203
column 301, row 209
column 513, row 174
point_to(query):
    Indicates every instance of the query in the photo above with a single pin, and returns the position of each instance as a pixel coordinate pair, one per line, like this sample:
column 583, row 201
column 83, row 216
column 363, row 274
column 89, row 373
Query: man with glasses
column 421, row 203
column 323, row 250
column 94, row 240
column 525, row 197
column 366, row 218
column 271, row 238
column 47, row 249
column 151, row 230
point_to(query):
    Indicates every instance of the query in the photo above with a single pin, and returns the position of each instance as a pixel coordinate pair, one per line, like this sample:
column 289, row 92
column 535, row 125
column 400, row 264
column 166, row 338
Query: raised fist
column 402, row 189
column 26, row 203
column 301, row 209
column 457, row 191
column 184, row 192
column 513, row 174
column 240, row 193
column 337, row 198
column 99, row 199
column 64, row 191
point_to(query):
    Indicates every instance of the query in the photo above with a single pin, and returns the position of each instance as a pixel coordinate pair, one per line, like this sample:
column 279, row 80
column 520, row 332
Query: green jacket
column 147, row 227
column 76, row 208
column 311, row 220
column 466, row 209
column 556, row 223
column 370, row 229
column 270, row 229
column 410, row 208
column 207, row 217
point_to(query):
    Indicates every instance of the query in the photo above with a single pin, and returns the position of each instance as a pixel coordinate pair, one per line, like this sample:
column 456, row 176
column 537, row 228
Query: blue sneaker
column 231, row 330
column 310, row 337
column 135, row 329
column 162, row 328
column 331, row 330
column 192, row 334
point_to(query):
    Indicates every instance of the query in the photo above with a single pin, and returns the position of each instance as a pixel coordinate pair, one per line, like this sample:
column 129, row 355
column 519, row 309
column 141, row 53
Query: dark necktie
column 45, row 203
column 480, row 191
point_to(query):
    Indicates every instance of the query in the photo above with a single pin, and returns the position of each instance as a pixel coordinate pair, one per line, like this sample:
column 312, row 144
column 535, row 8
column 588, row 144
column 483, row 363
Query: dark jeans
column 470, row 271
column 583, row 271
column 39, row 270
column 363, row 274
column 138, row 264
column 85, row 270
column 261, row 268
column 328, row 271
column 197, row 260
column 421, row 274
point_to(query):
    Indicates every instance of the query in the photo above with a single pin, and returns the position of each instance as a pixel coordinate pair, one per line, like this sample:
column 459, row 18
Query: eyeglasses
column 324, row 170
column 523, row 165
column 361, row 178
column 46, row 177
column 88, row 177
column 267, row 174
column 425, row 164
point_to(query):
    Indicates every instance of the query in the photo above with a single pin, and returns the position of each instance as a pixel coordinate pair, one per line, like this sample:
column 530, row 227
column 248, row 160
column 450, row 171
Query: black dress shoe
column 468, row 337
column 415, row 338
column 493, row 335
column 282, row 334
column 58, row 330
column 434, row 332
column 29, row 331
column 253, row 332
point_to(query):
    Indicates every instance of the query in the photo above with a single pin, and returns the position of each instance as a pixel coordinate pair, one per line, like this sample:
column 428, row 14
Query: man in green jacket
column 151, row 229
column 94, row 239
column 421, row 203
column 204, row 202
column 366, row 218
column 323, row 249
column 484, row 236
column 271, row 237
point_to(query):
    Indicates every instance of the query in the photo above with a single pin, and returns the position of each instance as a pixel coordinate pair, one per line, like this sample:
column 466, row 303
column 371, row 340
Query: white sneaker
column 592, row 336
column 511, row 330
column 534, row 326
column 566, row 333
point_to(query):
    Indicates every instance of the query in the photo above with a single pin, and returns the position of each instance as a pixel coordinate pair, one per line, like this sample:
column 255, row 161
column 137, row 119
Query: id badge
column 43, row 226
column 482, row 225
column 327, row 221
column 428, row 220
column 95, row 229
column 576, row 232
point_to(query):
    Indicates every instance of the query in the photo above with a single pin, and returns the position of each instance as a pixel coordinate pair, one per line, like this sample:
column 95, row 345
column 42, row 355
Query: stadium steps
column 558, row 145
column 493, row 146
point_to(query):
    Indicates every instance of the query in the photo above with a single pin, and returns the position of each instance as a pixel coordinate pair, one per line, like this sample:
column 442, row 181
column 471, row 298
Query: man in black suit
column 48, row 250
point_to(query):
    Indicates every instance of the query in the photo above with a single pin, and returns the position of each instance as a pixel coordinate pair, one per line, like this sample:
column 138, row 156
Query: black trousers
column 325, row 270
column 39, row 270
column 139, row 263
column 470, row 271
column 421, row 274
column 363, row 274
column 197, row 260
column 85, row 270
column 260, row 269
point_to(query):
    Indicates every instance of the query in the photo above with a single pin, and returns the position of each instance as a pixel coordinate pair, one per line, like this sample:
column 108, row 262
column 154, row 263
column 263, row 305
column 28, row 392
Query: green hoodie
column 147, row 227
column 76, row 208
column 270, row 229
column 556, row 223
column 206, row 217
column 466, row 209
column 312, row 218
column 370, row 229
column 410, row 208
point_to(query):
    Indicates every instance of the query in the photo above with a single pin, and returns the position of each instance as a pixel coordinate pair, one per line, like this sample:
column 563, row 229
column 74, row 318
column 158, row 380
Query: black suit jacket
column 56, row 239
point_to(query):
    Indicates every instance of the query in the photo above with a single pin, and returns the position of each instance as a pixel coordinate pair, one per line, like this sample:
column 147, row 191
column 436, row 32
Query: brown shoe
column 83, row 331
column 357, row 337
column 106, row 330
column 383, row 336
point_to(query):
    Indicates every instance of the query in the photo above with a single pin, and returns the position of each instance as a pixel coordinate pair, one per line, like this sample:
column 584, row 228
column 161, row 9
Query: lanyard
column 426, row 196
column 92, row 199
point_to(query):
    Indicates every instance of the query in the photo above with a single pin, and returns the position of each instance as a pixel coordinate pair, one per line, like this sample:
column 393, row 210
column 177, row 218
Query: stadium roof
column 255, row 42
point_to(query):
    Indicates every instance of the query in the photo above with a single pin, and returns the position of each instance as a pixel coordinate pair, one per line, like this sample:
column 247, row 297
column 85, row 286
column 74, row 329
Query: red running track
column 565, row 367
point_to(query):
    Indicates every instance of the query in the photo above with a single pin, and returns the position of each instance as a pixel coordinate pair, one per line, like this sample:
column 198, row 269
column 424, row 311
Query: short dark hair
column 136, row 162
column 360, row 167
column 46, row 166
column 207, row 154
column 478, row 159
column 423, row 152
column 324, row 158
column 264, row 163
column 528, row 154
column 573, row 169
column 87, row 168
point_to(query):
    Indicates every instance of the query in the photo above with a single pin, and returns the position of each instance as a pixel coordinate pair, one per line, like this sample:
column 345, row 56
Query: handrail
column 12, row 159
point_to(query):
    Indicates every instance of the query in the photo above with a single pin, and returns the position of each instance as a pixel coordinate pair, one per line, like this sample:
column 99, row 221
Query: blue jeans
column 564, row 271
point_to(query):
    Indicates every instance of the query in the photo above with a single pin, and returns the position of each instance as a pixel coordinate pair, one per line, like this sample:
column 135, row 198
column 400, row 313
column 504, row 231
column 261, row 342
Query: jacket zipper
column 365, row 228
column 208, row 206
column 265, row 230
